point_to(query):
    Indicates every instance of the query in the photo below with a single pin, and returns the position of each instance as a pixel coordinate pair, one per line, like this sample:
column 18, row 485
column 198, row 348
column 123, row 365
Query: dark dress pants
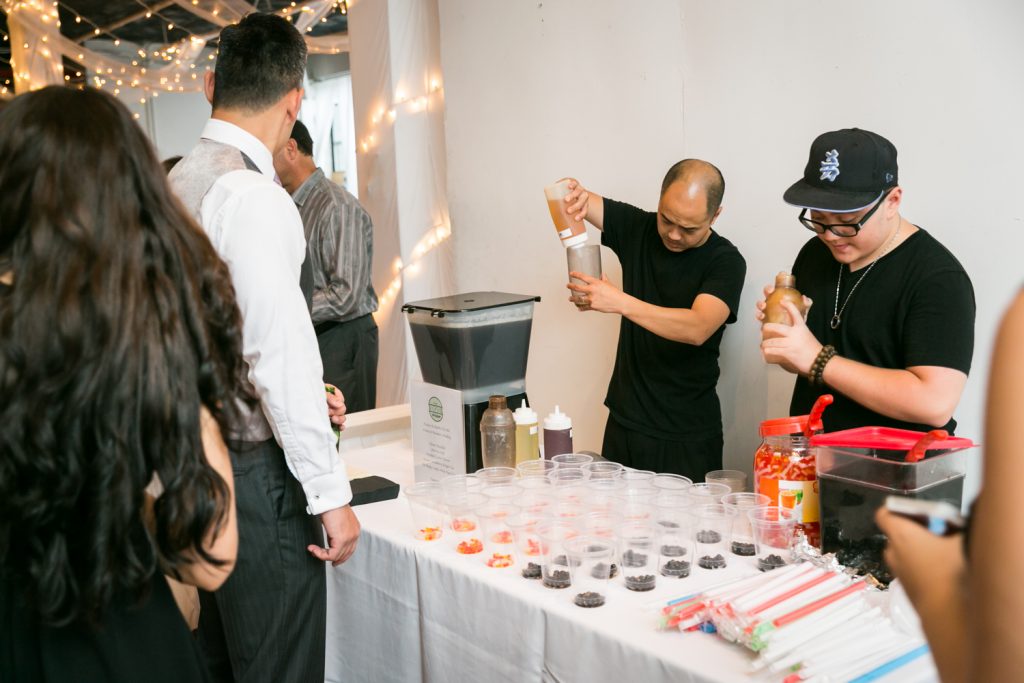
column 268, row 621
column 349, row 354
column 690, row 457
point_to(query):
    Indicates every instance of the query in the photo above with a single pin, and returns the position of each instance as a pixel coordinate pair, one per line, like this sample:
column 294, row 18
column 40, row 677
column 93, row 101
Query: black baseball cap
column 847, row 171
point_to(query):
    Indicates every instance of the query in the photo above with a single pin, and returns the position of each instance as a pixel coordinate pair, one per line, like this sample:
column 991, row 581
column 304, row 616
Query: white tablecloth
column 405, row 610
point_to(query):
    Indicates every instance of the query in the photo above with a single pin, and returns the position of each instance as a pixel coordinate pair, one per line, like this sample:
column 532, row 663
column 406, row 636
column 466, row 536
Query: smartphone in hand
column 938, row 516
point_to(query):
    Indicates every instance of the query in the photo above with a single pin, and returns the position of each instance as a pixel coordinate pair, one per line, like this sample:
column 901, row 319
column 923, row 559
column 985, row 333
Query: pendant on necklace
column 835, row 322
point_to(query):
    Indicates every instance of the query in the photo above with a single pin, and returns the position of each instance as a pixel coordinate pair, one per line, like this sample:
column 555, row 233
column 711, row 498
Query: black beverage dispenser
column 476, row 343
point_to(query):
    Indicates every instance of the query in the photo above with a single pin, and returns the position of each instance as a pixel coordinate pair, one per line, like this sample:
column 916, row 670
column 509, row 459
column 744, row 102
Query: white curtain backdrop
column 402, row 169
column 327, row 107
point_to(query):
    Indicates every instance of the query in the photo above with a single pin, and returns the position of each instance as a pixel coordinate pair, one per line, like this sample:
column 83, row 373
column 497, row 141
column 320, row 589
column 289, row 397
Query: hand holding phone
column 938, row 516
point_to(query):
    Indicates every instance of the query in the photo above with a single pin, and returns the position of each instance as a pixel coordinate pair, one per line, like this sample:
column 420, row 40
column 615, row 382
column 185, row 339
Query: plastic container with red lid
column 784, row 466
column 859, row 468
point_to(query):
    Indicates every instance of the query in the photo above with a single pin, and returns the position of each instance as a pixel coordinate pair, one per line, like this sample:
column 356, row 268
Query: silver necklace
column 837, row 313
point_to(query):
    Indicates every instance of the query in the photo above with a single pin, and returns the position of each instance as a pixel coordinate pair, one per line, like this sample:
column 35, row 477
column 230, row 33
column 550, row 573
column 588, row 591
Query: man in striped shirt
column 340, row 238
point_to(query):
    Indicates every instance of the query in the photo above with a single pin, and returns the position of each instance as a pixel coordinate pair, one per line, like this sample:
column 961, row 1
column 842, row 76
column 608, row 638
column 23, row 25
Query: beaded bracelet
column 818, row 366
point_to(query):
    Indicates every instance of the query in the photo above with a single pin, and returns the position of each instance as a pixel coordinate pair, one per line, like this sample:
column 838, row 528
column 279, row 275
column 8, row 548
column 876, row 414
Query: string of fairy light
column 113, row 72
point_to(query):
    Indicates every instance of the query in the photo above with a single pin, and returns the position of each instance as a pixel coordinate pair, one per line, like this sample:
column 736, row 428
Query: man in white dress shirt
column 267, row 623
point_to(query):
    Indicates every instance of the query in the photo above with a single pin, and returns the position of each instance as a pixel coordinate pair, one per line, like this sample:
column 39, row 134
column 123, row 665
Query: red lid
column 886, row 439
column 784, row 426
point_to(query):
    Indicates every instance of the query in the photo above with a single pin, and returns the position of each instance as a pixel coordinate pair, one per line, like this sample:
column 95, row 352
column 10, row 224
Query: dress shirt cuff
column 327, row 491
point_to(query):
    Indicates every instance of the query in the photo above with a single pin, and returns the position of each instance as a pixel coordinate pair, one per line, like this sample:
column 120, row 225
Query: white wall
column 939, row 78
column 614, row 94
column 533, row 92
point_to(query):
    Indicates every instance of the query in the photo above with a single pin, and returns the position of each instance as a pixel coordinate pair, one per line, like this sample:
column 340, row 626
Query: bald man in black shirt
column 681, row 287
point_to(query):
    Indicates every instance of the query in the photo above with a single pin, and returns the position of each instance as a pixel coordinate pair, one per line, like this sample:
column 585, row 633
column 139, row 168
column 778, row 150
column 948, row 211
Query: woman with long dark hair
column 120, row 361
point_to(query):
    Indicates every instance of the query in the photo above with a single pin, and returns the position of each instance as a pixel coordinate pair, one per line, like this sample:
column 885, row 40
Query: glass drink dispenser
column 859, row 468
column 476, row 343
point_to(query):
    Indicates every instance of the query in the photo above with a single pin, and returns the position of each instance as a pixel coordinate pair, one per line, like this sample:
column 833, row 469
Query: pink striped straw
column 818, row 604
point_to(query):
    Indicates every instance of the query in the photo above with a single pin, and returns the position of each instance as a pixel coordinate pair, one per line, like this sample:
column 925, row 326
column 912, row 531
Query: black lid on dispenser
column 467, row 303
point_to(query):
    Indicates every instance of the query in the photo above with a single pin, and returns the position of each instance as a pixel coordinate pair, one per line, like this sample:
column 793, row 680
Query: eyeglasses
column 841, row 229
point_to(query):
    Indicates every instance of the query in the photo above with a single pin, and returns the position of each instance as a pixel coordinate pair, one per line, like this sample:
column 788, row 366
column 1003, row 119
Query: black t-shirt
column 663, row 388
column 915, row 307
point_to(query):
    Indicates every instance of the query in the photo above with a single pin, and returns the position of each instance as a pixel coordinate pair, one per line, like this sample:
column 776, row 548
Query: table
column 405, row 610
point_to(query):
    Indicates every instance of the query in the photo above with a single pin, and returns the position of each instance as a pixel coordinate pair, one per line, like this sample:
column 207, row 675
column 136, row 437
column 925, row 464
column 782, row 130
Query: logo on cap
column 830, row 166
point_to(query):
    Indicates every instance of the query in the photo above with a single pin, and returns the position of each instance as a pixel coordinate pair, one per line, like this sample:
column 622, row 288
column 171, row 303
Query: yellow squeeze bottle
column 527, row 434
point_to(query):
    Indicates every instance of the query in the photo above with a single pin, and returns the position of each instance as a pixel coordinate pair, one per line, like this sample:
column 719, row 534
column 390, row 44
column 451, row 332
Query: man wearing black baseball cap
column 891, row 333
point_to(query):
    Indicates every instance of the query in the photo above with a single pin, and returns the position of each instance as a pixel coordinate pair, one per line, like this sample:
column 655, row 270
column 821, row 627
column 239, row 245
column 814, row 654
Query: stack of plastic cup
column 426, row 502
column 742, row 534
column 734, row 479
column 773, row 530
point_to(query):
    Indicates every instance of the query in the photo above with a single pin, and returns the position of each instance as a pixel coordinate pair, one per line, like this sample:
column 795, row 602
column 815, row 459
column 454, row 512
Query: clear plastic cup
column 600, row 523
column 570, row 460
column 734, row 479
column 569, row 476
column 603, row 470
column 673, row 520
column 602, row 493
column 465, row 522
column 496, row 476
column 742, row 534
column 529, row 545
column 555, row 571
column 635, row 508
column 671, row 483
column 499, row 540
column 707, row 494
column 535, row 468
column 590, row 563
column 566, row 511
column 426, row 503
column 508, row 493
column 773, row 530
column 537, row 494
column 712, row 535
column 603, row 524
column 672, row 510
column 577, row 494
column 638, row 555
column 637, row 480
column 461, row 484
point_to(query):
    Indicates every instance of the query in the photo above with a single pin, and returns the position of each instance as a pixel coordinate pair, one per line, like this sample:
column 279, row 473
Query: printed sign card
column 438, row 441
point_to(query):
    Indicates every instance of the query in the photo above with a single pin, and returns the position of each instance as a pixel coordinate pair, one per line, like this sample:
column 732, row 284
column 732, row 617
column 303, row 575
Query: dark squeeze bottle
column 557, row 434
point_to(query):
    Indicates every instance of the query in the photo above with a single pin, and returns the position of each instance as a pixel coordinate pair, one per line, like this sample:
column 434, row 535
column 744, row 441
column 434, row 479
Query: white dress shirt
column 255, row 227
